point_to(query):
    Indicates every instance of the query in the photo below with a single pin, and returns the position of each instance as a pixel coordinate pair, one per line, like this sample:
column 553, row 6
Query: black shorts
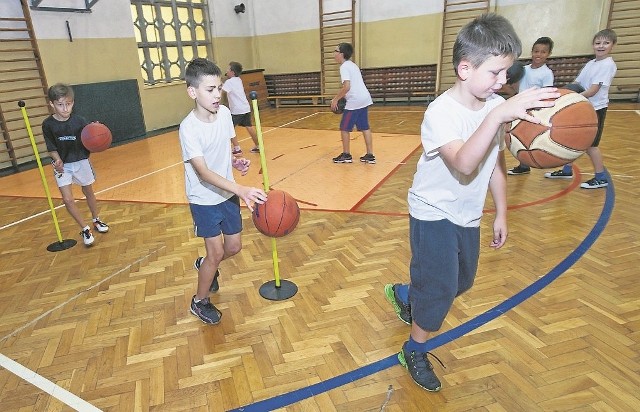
column 241, row 119
column 602, row 113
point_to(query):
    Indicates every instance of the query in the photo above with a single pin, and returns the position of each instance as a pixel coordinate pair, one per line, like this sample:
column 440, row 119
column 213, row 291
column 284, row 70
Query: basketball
column 278, row 216
column 341, row 104
column 566, row 131
column 96, row 137
column 515, row 72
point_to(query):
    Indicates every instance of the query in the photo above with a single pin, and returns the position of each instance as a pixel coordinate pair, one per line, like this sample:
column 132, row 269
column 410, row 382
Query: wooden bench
column 301, row 100
column 631, row 88
column 401, row 84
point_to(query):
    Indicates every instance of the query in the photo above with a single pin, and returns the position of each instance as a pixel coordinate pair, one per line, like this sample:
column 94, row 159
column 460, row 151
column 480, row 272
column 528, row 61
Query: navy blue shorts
column 211, row 220
column 444, row 262
column 357, row 117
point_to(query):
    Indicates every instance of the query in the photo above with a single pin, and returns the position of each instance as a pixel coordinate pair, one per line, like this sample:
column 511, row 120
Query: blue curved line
column 446, row 337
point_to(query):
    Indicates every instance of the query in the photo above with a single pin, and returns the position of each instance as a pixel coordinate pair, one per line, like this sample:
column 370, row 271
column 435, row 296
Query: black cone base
column 60, row 246
column 286, row 290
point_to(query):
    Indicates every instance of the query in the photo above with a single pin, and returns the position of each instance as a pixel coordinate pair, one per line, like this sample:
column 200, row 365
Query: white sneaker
column 100, row 226
column 87, row 237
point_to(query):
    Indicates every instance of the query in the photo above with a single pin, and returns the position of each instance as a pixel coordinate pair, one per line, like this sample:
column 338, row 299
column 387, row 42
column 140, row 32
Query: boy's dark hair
column 607, row 34
column 200, row 67
column 487, row 35
column 236, row 68
column 346, row 49
column 58, row 91
column 544, row 41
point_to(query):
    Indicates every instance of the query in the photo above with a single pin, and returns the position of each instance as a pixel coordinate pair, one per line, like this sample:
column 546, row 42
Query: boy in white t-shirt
column 463, row 142
column 239, row 105
column 213, row 194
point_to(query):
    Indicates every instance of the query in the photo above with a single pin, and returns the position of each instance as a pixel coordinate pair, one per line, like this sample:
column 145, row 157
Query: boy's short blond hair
column 606, row 34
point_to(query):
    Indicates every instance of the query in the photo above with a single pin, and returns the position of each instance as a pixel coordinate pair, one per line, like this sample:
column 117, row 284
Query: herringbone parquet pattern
column 111, row 323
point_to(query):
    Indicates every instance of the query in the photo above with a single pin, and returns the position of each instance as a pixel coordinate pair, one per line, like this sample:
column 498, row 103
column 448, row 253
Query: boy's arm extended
column 498, row 189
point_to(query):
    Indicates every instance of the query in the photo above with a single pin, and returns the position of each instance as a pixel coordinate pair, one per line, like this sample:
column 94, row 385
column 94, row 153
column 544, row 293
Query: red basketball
column 278, row 216
column 96, row 137
column 566, row 131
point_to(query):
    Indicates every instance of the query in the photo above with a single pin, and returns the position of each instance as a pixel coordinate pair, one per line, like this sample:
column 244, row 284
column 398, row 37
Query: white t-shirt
column 238, row 102
column 540, row 77
column 438, row 191
column 358, row 96
column 211, row 141
column 598, row 72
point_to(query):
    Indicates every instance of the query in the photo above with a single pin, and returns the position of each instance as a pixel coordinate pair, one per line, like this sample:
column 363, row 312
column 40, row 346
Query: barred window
column 170, row 33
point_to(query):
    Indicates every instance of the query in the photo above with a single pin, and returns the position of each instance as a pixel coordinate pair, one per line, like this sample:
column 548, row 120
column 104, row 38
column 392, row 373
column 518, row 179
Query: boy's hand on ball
column 518, row 106
column 251, row 195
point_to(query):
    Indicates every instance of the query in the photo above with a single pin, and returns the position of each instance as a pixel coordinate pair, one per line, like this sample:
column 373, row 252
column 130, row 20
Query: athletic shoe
column 420, row 369
column 214, row 285
column 519, row 170
column 87, row 237
column 343, row 158
column 558, row 174
column 100, row 226
column 403, row 311
column 236, row 152
column 255, row 150
column 594, row 183
column 368, row 158
column 205, row 311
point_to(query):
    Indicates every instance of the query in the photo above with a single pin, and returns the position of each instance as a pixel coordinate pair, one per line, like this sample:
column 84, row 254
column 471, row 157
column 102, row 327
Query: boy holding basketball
column 356, row 111
column 213, row 194
column 595, row 78
column 70, row 159
column 239, row 105
column 536, row 74
column 462, row 139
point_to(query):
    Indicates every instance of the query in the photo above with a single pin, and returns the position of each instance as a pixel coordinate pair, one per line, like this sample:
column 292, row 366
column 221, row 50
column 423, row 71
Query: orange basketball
column 278, row 216
column 566, row 131
column 96, row 137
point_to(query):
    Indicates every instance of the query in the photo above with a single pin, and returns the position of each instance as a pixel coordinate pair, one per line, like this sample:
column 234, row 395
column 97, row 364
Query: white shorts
column 80, row 173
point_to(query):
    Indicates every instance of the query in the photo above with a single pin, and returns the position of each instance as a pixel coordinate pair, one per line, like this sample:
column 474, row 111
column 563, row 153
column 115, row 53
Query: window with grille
column 170, row 33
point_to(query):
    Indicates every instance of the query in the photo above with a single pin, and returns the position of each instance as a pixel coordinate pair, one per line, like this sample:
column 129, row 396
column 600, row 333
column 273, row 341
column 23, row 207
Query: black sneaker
column 214, row 285
column 403, row 311
column 558, row 174
column 368, row 158
column 595, row 183
column 343, row 158
column 519, row 170
column 87, row 237
column 205, row 311
column 420, row 368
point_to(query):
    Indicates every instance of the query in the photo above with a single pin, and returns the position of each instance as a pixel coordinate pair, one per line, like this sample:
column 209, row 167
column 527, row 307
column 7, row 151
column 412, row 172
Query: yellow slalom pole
column 265, row 181
column 22, row 105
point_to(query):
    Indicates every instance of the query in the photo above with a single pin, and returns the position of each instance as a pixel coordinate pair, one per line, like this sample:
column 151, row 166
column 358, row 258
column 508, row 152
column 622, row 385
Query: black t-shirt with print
column 64, row 137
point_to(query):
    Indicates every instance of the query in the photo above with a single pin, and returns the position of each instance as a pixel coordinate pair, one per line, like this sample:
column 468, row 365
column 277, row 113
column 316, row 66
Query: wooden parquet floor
column 111, row 324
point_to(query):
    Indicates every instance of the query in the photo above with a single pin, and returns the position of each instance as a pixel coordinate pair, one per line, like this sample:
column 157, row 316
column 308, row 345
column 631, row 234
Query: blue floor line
column 286, row 399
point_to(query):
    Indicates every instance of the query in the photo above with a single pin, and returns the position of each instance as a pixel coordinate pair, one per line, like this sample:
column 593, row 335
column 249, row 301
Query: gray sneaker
column 343, row 158
column 205, row 311
column 420, row 368
column 403, row 311
column 215, row 286
column 558, row 174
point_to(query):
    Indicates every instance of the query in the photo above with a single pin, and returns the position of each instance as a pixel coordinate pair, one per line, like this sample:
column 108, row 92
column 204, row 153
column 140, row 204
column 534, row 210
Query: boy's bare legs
column 91, row 200
column 236, row 145
column 218, row 249
column 596, row 158
column 418, row 334
column 253, row 134
column 346, row 141
column 70, row 204
column 368, row 140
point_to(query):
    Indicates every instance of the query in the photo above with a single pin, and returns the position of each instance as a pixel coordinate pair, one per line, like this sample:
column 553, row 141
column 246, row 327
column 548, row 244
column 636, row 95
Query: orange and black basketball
column 96, row 137
column 278, row 216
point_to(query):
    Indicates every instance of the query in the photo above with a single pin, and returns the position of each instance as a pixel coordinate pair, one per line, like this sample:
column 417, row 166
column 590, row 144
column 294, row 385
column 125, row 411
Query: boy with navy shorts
column 463, row 143
column 239, row 106
column 70, row 159
column 356, row 111
column 213, row 195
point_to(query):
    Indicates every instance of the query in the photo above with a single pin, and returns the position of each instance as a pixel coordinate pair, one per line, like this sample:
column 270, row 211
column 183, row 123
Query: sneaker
column 558, row 174
column 594, row 183
column 368, row 158
column 236, row 152
column 205, row 311
column 214, row 285
column 519, row 170
column 100, row 226
column 420, row 369
column 87, row 237
column 343, row 158
column 402, row 310
column 255, row 150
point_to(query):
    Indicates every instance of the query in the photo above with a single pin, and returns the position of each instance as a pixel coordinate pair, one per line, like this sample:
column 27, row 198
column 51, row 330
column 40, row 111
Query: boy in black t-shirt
column 70, row 159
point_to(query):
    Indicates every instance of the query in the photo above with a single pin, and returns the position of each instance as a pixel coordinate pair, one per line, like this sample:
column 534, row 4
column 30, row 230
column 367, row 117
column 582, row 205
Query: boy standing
column 239, row 105
column 70, row 159
column 211, row 189
column 536, row 74
column 356, row 111
column 595, row 78
column 462, row 138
